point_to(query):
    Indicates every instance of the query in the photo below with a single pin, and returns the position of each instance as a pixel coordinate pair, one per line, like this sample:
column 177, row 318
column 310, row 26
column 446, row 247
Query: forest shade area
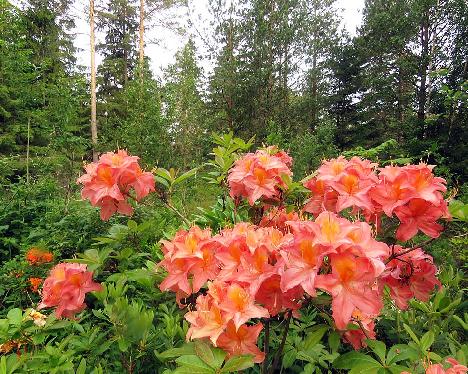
column 284, row 71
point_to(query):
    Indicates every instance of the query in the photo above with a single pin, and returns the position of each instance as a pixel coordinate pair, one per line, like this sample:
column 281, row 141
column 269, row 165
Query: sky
column 162, row 42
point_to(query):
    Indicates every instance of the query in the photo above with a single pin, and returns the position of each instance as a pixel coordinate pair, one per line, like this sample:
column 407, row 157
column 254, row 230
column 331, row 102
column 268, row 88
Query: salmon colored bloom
column 65, row 288
column 35, row 283
column 37, row 256
column 259, row 175
column 455, row 368
column 242, row 341
column 422, row 215
column 108, row 183
column 351, row 286
column 410, row 275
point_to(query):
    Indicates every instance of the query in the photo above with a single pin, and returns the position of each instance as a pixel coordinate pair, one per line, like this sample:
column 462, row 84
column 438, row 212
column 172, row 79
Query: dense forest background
column 284, row 71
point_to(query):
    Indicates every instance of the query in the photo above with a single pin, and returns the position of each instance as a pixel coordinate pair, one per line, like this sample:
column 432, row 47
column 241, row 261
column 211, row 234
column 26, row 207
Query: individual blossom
column 108, row 183
column 259, row 175
column 35, row 283
column 421, row 215
column 241, row 341
column 351, row 285
column 409, row 275
column 38, row 256
column 65, row 289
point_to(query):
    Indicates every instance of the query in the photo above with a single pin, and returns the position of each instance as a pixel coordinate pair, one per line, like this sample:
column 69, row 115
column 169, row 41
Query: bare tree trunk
column 423, row 67
column 93, row 81
column 142, row 42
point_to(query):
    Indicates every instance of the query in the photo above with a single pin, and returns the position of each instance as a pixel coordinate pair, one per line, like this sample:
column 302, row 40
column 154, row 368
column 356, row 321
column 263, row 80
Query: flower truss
column 108, row 183
column 38, row 256
column 236, row 278
column 65, row 288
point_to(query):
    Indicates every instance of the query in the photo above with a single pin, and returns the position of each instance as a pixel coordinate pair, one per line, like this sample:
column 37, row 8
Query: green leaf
column 237, row 363
column 378, row 348
column 411, row 333
column 15, row 316
column 214, row 357
column 357, row 362
column 459, row 210
column 427, row 340
column 195, row 363
column 401, row 352
column 315, row 336
column 82, row 367
column 334, row 341
column 186, row 175
column 186, row 349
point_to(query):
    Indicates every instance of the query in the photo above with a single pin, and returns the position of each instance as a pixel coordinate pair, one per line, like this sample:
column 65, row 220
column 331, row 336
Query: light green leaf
column 357, row 362
column 82, row 367
column 401, row 352
column 378, row 348
column 427, row 340
column 15, row 316
column 237, row 363
column 196, row 363
column 411, row 333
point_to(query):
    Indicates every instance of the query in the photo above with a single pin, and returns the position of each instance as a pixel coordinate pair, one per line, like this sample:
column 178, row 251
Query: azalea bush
column 323, row 274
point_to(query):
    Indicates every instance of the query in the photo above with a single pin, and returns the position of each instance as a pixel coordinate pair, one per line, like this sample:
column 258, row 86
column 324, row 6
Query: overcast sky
column 162, row 43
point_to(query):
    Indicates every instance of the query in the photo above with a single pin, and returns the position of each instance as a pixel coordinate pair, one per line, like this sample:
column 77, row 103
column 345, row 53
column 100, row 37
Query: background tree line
column 283, row 70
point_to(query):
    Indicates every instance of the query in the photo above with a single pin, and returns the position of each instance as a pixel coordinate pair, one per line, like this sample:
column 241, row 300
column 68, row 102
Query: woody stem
column 396, row 255
column 363, row 329
column 265, row 346
column 279, row 352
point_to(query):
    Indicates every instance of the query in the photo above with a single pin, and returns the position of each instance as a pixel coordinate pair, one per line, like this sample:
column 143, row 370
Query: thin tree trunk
column 423, row 67
column 93, row 82
column 27, row 151
column 142, row 42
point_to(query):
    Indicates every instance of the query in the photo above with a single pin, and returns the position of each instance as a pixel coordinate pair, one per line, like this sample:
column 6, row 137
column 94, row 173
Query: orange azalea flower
column 65, row 288
column 107, row 183
column 37, row 256
column 259, row 175
column 35, row 283
column 241, row 341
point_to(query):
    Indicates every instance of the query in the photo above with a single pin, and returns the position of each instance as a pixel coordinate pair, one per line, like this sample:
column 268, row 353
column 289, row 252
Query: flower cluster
column 251, row 272
column 35, row 283
column 455, row 368
column 65, row 288
column 259, row 175
column 108, row 183
column 38, row 256
column 409, row 275
column 411, row 193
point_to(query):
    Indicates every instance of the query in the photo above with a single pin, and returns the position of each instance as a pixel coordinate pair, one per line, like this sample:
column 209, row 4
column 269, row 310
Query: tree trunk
column 142, row 31
column 423, row 67
column 93, row 82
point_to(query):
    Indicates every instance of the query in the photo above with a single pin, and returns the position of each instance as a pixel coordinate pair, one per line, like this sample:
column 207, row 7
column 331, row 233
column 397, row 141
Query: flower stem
column 279, row 352
column 265, row 346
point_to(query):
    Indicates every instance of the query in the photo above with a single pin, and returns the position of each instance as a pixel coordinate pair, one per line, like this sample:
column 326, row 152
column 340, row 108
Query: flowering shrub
column 262, row 277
